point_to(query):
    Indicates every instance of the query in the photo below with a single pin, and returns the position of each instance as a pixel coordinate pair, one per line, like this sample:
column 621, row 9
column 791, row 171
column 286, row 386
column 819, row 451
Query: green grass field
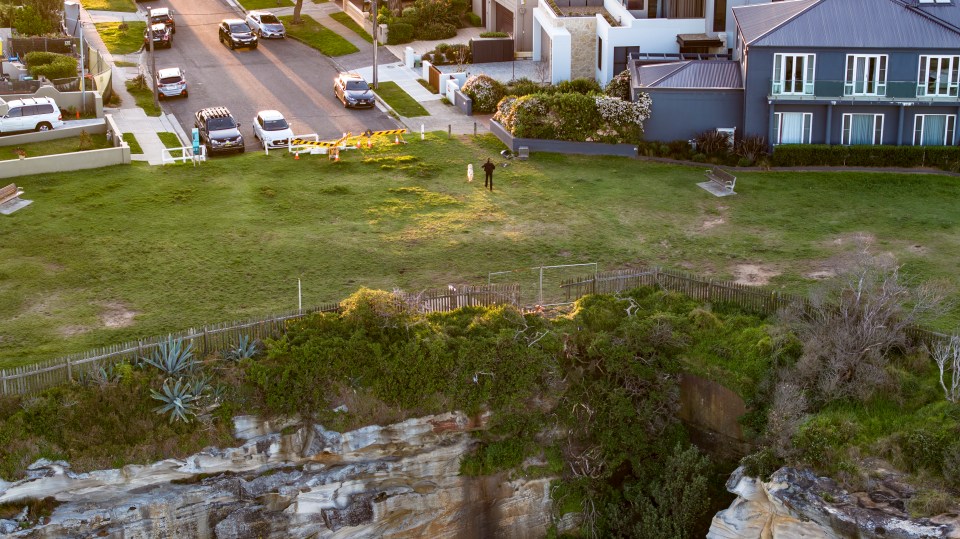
column 345, row 20
column 264, row 4
column 110, row 5
column 120, row 41
column 315, row 35
column 170, row 140
column 53, row 147
column 105, row 256
column 144, row 99
column 399, row 100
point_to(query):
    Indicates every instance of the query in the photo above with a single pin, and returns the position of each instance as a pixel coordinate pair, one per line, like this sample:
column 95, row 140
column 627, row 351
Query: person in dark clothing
column 489, row 167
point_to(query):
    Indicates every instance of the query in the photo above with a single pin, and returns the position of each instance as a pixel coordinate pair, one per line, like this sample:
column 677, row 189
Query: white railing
column 302, row 148
column 183, row 154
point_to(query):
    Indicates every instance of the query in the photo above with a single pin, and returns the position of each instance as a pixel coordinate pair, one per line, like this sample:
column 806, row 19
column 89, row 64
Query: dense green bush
column 485, row 92
column 525, row 86
column 40, row 58
column 474, row 19
column 399, row 32
column 942, row 157
column 577, row 86
column 434, row 31
column 494, row 34
column 819, row 442
column 573, row 116
column 61, row 67
column 29, row 21
column 619, row 86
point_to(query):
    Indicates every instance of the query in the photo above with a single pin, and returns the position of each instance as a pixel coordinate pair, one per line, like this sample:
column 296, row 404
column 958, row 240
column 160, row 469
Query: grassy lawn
column 427, row 85
column 131, row 141
column 264, row 4
column 144, row 99
column 345, row 20
column 121, row 63
column 121, row 41
column 318, row 36
column 400, row 100
column 53, row 147
column 138, row 250
column 110, row 5
column 170, row 140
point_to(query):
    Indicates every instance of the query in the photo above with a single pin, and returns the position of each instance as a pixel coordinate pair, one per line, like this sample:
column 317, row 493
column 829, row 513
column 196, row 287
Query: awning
column 698, row 40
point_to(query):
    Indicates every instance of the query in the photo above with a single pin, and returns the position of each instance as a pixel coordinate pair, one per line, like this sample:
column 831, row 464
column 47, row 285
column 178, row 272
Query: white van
column 31, row 114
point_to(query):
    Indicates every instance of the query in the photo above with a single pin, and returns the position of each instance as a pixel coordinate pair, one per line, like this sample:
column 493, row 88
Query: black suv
column 162, row 37
column 236, row 33
column 219, row 132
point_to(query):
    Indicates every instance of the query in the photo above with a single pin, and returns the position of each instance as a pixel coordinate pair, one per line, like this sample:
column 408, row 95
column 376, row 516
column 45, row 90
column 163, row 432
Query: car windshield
column 269, row 19
column 170, row 80
column 357, row 85
column 160, row 18
column 274, row 125
column 239, row 28
column 217, row 124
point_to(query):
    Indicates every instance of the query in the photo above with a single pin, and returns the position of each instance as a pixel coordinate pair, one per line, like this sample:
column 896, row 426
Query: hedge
column 434, row 31
column 399, row 32
column 58, row 67
column 942, row 157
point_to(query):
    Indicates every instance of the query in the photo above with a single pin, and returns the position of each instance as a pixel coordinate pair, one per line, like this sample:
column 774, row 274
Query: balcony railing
column 860, row 91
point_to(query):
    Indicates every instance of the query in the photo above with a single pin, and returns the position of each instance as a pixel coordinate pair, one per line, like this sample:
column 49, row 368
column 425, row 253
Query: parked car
column 162, row 37
column 266, row 25
column 236, row 33
column 271, row 129
column 352, row 90
column 31, row 114
column 171, row 82
column 219, row 132
column 163, row 15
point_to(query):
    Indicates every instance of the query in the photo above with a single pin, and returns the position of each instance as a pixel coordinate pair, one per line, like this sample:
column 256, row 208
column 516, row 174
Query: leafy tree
column 30, row 21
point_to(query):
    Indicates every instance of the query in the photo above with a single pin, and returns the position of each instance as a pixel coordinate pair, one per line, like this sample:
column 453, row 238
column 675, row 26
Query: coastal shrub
column 820, row 440
column 485, row 92
column 619, row 86
column 573, row 116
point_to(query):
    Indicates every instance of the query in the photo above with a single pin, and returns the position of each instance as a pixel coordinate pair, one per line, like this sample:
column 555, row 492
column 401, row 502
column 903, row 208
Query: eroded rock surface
column 797, row 504
column 400, row 480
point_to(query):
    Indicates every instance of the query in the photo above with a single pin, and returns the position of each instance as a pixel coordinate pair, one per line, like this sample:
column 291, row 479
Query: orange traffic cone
column 296, row 156
column 396, row 139
column 358, row 144
column 78, row 114
column 369, row 142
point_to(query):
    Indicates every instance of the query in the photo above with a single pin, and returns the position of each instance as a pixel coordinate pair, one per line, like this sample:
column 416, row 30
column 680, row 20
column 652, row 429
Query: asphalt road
column 280, row 74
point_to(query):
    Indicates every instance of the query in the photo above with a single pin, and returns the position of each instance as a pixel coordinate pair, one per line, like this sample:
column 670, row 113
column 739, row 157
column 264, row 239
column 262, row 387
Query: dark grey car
column 353, row 91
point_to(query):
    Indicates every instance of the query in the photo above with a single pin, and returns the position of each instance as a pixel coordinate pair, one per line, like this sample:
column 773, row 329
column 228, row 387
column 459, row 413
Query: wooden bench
column 722, row 178
column 9, row 193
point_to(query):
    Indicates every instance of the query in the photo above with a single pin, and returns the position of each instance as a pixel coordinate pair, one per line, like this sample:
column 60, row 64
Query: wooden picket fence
column 28, row 379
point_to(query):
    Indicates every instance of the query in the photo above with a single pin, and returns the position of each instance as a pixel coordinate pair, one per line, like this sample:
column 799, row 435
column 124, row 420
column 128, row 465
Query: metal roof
column 692, row 74
column 887, row 24
column 948, row 13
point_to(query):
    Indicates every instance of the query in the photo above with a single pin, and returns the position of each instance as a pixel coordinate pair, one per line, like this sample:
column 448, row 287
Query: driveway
column 280, row 74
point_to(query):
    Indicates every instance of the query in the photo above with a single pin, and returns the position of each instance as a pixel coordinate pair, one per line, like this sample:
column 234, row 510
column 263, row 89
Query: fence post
column 69, row 370
column 205, row 340
column 710, row 290
column 3, row 374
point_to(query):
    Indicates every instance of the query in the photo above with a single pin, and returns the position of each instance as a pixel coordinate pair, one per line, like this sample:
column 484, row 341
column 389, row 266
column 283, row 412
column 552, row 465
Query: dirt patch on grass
column 918, row 249
column 855, row 239
column 754, row 274
column 712, row 222
column 72, row 331
column 116, row 315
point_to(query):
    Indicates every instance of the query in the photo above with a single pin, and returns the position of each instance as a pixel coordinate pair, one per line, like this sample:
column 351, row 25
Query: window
column 600, row 53
column 934, row 129
column 939, row 76
column 792, row 127
column 15, row 112
column 793, row 74
column 866, row 75
column 935, row 1
column 862, row 129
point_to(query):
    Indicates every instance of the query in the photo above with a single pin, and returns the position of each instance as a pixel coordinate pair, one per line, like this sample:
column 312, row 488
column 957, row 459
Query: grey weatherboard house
column 852, row 72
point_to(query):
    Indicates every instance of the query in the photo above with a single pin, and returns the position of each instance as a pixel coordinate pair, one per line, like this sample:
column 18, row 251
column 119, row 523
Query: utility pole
column 376, row 42
column 153, row 64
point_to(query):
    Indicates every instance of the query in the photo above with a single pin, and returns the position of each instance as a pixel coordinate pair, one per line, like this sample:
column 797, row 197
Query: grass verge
column 134, row 144
column 120, row 41
column 428, row 86
column 264, row 4
column 53, row 147
column 144, row 98
column 110, row 5
column 404, row 216
column 170, row 140
column 400, row 100
column 121, row 63
column 345, row 20
column 315, row 35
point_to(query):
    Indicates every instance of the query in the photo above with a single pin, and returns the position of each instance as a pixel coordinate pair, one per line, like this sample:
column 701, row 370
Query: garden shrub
column 619, row 86
column 925, row 447
column 28, row 20
column 573, row 116
column 524, row 86
column 579, row 86
column 40, row 58
column 820, row 440
column 399, row 32
column 485, row 92
column 434, row 31
column 942, row 157
column 474, row 19
column 439, row 12
column 494, row 34
column 61, row 67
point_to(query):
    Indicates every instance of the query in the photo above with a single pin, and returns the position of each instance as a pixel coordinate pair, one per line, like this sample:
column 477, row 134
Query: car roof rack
column 214, row 112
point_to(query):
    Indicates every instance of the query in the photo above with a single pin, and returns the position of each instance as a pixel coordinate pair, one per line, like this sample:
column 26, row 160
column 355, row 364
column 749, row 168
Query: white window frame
column 852, row 86
column 935, row 1
column 949, row 129
column 845, row 134
column 779, row 80
column 953, row 75
column 807, row 135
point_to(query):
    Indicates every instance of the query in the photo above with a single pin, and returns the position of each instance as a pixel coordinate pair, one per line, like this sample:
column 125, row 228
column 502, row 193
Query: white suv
column 271, row 129
column 31, row 114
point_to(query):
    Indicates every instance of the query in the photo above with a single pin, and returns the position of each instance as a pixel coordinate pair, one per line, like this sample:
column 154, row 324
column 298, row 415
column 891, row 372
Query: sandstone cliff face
column 797, row 504
column 396, row 481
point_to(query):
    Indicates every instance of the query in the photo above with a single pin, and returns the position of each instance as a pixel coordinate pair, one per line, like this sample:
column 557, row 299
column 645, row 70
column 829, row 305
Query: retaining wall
column 561, row 146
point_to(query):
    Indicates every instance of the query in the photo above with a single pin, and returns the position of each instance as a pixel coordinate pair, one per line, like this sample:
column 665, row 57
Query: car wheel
column 220, row 37
column 44, row 126
column 253, row 48
column 242, row 149
column 232, row 46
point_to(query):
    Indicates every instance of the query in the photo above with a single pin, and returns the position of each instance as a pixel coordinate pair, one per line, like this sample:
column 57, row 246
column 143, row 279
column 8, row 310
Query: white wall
column 561, row 52
column 651, row 35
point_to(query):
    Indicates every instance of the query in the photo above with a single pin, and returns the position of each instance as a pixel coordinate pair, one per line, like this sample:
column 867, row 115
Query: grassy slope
column 318, row 36
column 345, row 20
column 400, row 101
column 144, row 99
column 64, row 145
column 110, row 5
column 121, row 41
column 180, row 246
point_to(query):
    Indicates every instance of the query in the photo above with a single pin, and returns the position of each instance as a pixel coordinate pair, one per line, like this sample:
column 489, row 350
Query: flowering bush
column 484, row 91
column 619, row 86
column 574, row 116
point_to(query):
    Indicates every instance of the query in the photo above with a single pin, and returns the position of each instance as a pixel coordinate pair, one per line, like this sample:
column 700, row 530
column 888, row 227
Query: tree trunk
column 296, row 12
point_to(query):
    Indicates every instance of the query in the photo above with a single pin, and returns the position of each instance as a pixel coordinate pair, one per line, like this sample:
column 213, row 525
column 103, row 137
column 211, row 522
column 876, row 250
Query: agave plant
column 172, row 357
column 245, row 349
column 100, row 376
column 178, row 400
column 199, row 385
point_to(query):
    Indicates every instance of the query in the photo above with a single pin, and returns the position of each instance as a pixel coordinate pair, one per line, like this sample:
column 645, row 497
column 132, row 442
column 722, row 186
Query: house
column 824, row 72
column 594, row 38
